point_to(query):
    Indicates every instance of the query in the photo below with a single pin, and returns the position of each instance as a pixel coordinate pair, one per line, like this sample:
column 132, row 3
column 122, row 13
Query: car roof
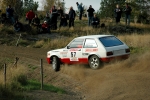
column 94, row 36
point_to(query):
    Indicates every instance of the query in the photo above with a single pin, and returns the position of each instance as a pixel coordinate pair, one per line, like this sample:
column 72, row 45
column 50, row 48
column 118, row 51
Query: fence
column 15, row 65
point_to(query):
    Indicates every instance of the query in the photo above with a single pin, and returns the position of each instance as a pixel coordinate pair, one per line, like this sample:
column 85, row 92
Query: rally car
column 92, row 50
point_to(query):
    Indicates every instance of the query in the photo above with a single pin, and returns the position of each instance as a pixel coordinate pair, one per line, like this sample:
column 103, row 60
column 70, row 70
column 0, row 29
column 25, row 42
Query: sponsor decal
column 85, row 54
column 75, row 49
column 74, row 59
column 91, row 50
column 64, row 54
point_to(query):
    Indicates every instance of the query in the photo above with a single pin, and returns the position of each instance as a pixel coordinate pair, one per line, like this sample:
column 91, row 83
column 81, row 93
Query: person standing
column 80, row 9
column 72, row 15
column 10, row 13
column 90, row 14
column 53, row 17
column 127, row 11
column 118, row 12
column 30, row 15
column 60, row 11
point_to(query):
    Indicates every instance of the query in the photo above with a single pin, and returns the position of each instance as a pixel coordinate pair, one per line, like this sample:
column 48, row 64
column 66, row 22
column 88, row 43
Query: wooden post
column 41, row 62
column 5, row 75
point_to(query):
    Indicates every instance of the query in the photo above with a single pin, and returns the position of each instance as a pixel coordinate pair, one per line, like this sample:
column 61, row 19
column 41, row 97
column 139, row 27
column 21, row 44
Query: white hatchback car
column 92, row 50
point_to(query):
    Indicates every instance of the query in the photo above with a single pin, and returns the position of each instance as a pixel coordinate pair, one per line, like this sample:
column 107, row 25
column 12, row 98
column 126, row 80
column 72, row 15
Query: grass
column 17, row 79
column 35, row 85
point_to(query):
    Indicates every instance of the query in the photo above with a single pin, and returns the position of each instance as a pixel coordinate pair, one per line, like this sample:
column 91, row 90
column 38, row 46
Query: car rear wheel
column 94, row 62
column 56, row 63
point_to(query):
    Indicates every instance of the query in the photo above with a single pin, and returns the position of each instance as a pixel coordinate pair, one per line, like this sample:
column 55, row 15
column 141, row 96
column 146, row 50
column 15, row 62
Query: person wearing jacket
column 90, row 14
column 10, row 13
column 127, row 11
column 18, row 26
column 80, row 9
column 45, row 27
column 36, row 21
column 30, row 15
column 117, row 12
column 95, row 21
column 72, row 15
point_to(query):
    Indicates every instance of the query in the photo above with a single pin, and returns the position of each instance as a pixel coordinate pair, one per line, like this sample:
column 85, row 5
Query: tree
column 16, row 4
column 30, row 4
column 140, row 8
column 108, row 6
column 49, row 3
column 20, row 6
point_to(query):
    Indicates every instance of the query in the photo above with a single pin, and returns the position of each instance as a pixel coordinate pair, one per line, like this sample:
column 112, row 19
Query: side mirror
column 68, row 47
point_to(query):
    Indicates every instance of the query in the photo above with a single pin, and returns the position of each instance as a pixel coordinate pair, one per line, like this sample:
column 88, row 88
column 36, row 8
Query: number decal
column 73, row 54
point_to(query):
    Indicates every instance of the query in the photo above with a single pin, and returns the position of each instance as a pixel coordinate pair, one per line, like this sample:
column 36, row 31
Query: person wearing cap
column 80, row 9
column 45, row 27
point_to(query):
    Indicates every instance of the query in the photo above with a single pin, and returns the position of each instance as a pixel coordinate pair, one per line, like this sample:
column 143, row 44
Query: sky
column 68, row 3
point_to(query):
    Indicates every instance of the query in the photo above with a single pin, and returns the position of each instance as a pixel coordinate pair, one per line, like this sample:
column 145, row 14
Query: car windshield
column 110, row 41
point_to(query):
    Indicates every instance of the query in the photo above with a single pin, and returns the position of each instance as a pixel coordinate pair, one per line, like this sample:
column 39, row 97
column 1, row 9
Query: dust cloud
column 120, row 80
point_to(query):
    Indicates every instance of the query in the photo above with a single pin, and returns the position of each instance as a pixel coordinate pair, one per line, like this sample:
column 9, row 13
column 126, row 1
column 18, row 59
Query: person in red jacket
column 45, row 27
column 30, row 15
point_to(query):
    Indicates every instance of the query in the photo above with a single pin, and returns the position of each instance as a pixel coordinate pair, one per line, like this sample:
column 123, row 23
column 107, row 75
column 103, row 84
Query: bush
column 22, row 79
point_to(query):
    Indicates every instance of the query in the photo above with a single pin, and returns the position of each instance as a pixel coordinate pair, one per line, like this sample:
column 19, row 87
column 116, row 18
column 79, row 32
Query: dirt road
column 121, row 80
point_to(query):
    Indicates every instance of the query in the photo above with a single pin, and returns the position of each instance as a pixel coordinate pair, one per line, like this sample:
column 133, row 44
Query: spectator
column 60, row 12
column 80, row 9
column 47, row 19
column 95, row 21
column 30, row 15
column 53, row 10
column 72, row 15
column 18, row 26
column 90, row 14
column 10, row 13
column 54, row 16
column 45, row 27
column 36, row 21
column 118, row 12
column 63, row 21
column 127, row 14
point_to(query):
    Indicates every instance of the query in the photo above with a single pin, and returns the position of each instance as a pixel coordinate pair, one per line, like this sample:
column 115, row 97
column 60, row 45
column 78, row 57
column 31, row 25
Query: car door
column 75, row 51
column 90, row 47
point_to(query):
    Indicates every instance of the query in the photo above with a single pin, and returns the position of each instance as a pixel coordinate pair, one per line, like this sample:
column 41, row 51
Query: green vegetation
column 16, row 88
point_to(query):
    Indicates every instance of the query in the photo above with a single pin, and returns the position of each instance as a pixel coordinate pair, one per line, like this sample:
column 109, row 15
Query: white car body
column 80, row 49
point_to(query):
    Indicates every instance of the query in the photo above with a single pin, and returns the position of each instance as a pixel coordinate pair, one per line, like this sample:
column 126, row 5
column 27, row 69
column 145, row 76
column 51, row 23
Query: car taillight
column 109, row 53
column 127, row 50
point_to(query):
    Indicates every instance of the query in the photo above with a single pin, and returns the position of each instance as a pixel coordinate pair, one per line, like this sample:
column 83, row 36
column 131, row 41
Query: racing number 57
column 73, row 54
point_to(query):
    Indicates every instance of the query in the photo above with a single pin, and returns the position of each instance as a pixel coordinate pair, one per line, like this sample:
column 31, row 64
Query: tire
column 55, row 64
column 94, row 62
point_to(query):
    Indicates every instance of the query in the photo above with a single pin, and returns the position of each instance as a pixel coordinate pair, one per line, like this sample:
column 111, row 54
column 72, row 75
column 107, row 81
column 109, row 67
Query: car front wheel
column 56, row 63
column 94, row 62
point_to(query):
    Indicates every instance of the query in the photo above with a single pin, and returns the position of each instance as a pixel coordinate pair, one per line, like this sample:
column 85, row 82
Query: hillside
column 120, row 80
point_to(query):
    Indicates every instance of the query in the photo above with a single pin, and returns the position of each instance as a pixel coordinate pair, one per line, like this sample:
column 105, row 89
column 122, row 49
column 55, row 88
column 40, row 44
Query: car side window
column 90, row 43
column 77, row 43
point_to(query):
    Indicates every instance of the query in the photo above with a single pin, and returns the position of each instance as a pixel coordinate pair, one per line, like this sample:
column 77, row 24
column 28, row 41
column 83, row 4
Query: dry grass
column 136, row 40
column 11, row 72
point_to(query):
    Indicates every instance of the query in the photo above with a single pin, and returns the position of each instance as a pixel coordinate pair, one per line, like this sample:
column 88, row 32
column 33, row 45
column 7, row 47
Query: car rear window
column 110, row 41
